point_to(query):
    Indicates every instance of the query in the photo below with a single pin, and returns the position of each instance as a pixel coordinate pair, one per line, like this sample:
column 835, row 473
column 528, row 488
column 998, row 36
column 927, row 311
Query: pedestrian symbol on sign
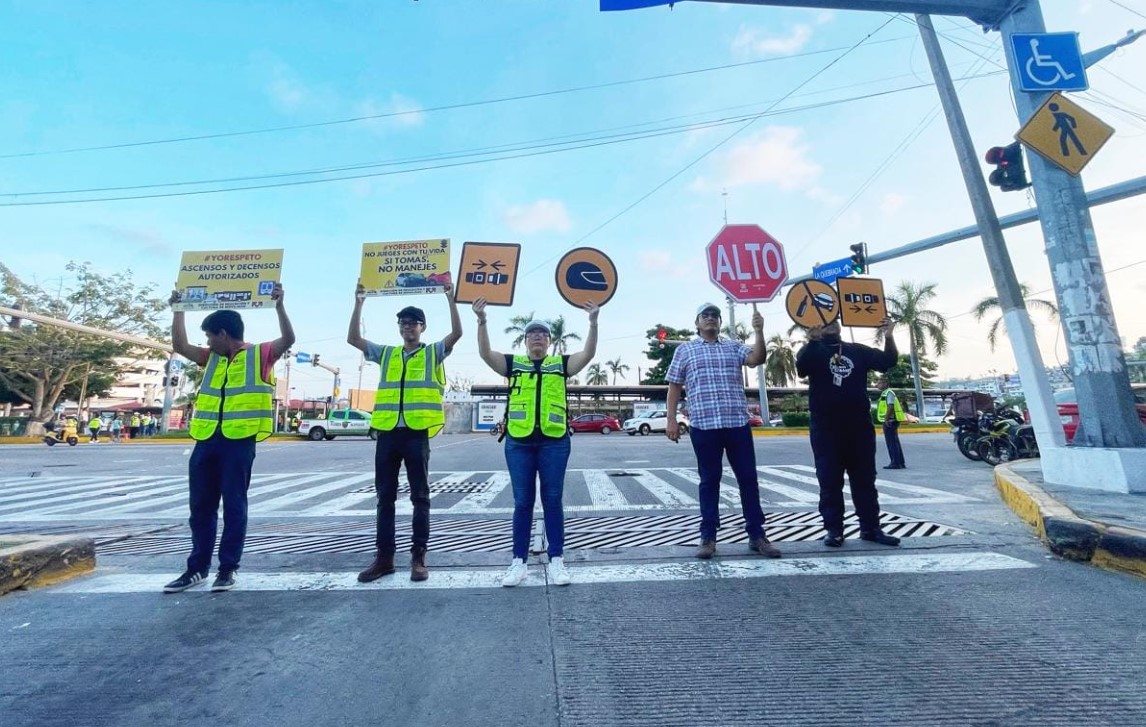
column 1065, row 125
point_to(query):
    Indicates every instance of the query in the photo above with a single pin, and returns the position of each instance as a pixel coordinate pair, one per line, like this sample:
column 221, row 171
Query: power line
column 713, row 148
column 502, row 154
column 1129, row 10
column 443, row 107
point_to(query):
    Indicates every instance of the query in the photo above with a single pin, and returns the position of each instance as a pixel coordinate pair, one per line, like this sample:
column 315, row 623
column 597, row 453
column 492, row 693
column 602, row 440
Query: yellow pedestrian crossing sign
column 1065, row 133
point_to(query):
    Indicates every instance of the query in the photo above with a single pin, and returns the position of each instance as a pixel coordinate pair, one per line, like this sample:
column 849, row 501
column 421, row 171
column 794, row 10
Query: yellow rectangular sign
column 234, row 279
column 405, row 268
column 1065, row 133
column 862, row 304
column 488, row 270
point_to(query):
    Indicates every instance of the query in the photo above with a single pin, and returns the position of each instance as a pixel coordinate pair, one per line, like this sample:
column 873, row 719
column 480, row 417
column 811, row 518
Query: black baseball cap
column 412, row 312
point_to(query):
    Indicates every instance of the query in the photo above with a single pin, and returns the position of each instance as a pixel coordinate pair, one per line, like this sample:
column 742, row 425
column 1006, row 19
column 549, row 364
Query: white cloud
column 825, row 17
column 663, row 265
column 891, row 203
column 397, row 111
column 285, row 90
column 752, row 42
column 541, row 216
column 775, row 156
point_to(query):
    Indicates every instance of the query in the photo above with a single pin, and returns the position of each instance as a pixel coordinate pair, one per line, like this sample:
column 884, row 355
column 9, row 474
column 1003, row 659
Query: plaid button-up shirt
column 711, row 375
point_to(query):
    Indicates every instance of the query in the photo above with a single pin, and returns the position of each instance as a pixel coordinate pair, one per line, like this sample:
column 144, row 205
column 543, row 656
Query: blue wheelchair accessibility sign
column 1049, row 62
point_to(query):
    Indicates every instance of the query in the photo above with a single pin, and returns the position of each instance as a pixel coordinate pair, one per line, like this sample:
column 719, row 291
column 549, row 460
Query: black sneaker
column 878, row 536
column 833, row 540
column 224, row 581
column 185, row 581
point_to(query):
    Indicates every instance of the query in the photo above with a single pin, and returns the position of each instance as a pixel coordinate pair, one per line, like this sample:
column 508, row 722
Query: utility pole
column 1040, row 401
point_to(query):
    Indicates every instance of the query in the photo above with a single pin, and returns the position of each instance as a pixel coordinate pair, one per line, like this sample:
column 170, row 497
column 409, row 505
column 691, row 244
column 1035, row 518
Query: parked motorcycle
column 1005, row 439
column 968, row 430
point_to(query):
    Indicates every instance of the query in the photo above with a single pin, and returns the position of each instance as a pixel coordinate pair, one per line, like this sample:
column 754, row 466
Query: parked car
column 755, row 420
column 595, row 423
column 652, row 421
column 341, row 422
column 1067, row 402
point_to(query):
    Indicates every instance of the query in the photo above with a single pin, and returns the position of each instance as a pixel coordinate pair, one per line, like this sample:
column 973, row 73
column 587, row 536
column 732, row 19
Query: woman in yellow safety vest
column 538, row 443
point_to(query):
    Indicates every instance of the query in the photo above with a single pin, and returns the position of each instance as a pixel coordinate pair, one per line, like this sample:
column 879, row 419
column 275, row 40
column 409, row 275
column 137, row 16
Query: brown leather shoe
column 763, row 547
column 418, row 569
column 383, row 565
column 706, row 550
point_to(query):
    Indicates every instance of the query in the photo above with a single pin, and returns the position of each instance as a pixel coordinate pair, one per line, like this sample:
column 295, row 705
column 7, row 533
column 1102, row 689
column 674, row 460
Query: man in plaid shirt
column 709, row 369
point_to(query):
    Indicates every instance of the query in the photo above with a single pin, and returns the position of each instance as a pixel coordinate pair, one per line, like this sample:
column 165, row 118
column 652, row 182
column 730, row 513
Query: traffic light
column 314, row 360
column 175, row 381
column 1010, row 173
column 661, row 335
column 859, row 258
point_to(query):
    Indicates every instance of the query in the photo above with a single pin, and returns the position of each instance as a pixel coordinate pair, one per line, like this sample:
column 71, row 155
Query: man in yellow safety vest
column 890, row 413
column 407, row 413
column 233, row 411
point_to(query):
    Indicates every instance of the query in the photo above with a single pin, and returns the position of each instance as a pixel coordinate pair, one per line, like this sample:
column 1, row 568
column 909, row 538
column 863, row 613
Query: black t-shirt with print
column 839, row 387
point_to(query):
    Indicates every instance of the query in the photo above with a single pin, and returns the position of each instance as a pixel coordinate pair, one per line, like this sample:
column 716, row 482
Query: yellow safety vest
column 537, row 400
column 411, row 386
column 247, row 406
column 881, row 410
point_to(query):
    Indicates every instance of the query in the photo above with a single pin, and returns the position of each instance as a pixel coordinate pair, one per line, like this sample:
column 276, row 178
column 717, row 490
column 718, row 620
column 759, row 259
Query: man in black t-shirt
column 843, row 437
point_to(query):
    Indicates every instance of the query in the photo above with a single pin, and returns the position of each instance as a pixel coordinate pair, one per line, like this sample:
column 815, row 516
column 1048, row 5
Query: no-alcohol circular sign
column 586, row 275
column 812, row 303
column 746, row 263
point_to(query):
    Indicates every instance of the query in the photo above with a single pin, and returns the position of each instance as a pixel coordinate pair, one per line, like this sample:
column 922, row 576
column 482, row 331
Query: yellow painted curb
column 35, row 561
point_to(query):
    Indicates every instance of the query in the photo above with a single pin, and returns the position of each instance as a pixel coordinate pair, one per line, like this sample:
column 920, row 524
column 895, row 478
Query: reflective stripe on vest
column 411, row 386
column 529, row 402
column 247, row 408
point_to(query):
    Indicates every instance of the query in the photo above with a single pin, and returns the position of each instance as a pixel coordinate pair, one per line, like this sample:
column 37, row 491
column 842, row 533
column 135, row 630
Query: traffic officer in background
column 233, row 411
column 537, row 448
column 890, row 413
column 407, row 413
column 843, row 438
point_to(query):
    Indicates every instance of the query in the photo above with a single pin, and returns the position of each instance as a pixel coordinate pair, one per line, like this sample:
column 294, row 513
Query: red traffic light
column 661, row 333
column 997, row 155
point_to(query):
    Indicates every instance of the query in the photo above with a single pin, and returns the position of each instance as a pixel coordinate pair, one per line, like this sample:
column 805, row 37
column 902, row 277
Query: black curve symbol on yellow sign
column 823, row 305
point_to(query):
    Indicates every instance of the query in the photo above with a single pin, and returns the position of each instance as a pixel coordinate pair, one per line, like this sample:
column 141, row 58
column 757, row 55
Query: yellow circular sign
column 813, row 303
column 586, row 275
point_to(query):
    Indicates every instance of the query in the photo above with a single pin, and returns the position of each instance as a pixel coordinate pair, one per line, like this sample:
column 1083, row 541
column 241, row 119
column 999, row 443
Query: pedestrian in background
column 133, row 428
column 537, row 424
column 890, row 413
column 94, row 427
column 407, row 414
column 708, row 371
column 116, row 428
column 842, row 433
column 232, row 412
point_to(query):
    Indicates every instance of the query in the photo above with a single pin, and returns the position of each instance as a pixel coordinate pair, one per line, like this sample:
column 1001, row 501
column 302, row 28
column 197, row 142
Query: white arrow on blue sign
column 828, row 272
column 301, row 357
column 1049, row 62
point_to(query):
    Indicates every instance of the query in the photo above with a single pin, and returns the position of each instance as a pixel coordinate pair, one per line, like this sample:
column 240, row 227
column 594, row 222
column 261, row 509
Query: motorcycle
column 68, row 435
column 968, row 430
column 1005, row 439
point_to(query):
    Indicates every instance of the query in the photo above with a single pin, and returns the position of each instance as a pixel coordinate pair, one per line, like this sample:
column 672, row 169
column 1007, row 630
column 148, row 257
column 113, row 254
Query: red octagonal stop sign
column 746, row 263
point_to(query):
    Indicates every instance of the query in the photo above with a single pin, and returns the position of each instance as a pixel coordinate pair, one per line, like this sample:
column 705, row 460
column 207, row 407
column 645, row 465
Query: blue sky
column 818, row 179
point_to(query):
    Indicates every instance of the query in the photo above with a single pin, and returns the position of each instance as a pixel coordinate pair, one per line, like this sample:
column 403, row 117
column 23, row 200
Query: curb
column 1068, row 535
column 35, row 561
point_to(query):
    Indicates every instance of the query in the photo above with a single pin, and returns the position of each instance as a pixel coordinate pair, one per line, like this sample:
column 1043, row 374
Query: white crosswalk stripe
column 326, row 494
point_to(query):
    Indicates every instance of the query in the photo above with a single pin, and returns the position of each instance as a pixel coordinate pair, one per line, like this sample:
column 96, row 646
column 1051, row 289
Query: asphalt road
column 971, row 622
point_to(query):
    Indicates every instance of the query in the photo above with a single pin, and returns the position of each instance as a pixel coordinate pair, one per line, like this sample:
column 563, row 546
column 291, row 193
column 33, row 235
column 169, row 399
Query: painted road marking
column 332, row 493
column 448, row 578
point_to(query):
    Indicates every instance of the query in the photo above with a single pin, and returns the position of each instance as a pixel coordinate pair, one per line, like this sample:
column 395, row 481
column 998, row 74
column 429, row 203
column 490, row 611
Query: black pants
column 846, row 443
column 396, row 447
column 219, row 468
column 894, row 449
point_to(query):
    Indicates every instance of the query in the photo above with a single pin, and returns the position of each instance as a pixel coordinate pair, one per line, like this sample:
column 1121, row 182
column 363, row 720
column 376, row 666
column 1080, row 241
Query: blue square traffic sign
column 1049, row 62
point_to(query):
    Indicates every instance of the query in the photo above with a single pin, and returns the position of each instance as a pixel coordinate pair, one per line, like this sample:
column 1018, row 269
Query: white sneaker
column 515, row 575
column 558, row 574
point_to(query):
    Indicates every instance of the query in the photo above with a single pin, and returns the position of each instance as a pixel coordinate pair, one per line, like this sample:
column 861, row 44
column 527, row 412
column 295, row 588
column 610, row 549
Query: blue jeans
column 710, row 446
column 526, row 461
column 219, row 468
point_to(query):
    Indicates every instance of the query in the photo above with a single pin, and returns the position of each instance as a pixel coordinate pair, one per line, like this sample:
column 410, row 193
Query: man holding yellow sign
column 405, row 268
column 233, row 279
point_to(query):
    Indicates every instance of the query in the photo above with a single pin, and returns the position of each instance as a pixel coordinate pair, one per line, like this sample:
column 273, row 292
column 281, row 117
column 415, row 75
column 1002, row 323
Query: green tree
column 597, row 376
column 560, row 338
column 38, row 362
column 517, row 326
column 990, row 304
column 616, row 367
column 780, row 365
column 740, row 334
column 661, row 353
column 926, row 329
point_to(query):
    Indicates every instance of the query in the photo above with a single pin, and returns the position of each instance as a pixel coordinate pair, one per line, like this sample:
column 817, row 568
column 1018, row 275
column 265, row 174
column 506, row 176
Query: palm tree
column 617, row 368
column 559, row 340
column 517, row 326
column 906, row 306
column 597, row 376
column 740, row 334
column 991, row 304
column 780, row 366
